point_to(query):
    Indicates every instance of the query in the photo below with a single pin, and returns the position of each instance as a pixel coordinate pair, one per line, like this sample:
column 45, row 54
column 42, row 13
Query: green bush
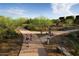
column 73, row 39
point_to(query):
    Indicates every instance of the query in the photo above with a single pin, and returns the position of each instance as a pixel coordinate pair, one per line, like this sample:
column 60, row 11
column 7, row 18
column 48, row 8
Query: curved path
column 36, row 48
column 23, row 31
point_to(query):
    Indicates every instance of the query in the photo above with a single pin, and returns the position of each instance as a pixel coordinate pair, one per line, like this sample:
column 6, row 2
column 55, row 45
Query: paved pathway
column 35, row 48
column 54, row 32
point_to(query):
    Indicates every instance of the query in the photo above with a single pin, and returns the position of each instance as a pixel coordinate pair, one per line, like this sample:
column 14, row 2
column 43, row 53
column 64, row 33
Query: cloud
column 62, row 9
column 14, row 12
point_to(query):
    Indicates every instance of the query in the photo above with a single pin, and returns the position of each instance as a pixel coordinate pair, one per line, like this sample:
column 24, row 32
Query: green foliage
column 69, row 22
column 73, row 39
column 40, row 23
column 19, row 22
column 69, row 17
column 62, row 19
column 8, row 26
column 76, row 21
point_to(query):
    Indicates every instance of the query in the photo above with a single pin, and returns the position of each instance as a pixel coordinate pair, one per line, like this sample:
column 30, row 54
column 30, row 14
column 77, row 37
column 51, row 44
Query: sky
column 31, row 10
